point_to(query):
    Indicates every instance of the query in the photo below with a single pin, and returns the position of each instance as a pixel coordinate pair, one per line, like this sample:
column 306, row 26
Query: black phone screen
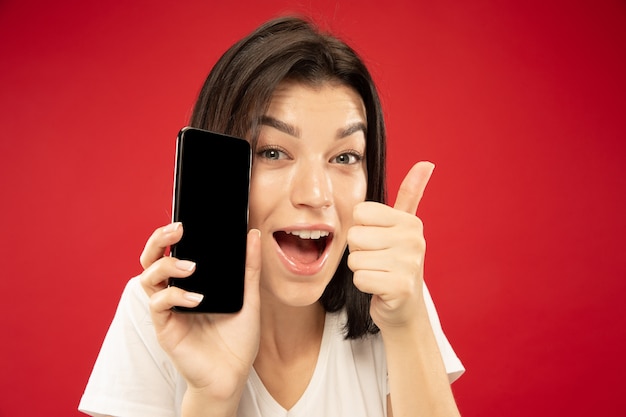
column 211, row 186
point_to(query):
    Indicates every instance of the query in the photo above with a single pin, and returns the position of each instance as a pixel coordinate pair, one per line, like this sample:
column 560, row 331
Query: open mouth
column 303, row 246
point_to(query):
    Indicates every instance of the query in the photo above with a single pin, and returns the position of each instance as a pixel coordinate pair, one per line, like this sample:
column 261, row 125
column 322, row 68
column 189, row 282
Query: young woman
column 336, row 320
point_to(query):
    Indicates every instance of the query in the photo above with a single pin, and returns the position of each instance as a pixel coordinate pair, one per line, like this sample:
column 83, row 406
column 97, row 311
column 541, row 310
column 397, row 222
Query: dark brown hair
column 237, row 93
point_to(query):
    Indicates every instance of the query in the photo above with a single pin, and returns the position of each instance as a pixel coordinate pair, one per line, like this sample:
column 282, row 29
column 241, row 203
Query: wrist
column 205, row 402
column 413, row 325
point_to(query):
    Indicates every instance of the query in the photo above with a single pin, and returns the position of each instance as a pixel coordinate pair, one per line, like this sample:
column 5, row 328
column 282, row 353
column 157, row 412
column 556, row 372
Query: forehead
column 327, row 99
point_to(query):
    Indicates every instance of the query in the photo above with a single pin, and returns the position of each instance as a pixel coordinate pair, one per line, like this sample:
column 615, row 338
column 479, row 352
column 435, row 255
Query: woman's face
column 308, row 173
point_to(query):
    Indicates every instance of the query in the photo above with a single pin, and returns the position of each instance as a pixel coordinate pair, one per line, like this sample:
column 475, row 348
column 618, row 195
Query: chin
column 295, row 290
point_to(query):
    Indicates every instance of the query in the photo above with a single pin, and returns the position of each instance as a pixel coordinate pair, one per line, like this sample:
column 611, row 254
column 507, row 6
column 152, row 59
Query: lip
column 308, row 268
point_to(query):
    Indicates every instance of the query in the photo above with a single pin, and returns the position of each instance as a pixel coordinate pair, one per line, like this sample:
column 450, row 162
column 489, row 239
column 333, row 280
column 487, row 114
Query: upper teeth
column 309, row 234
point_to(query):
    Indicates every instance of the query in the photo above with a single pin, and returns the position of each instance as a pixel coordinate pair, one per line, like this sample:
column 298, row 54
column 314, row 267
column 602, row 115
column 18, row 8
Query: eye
column 272, row 153
column 348, row 158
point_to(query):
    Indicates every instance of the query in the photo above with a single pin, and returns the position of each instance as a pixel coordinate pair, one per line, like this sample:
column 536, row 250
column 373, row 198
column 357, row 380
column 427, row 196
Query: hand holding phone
column 211, row 187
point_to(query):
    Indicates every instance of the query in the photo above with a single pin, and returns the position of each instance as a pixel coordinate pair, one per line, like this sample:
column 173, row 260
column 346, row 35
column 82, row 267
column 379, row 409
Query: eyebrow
column 279, row 125
column 295, row 132
column 353, row 128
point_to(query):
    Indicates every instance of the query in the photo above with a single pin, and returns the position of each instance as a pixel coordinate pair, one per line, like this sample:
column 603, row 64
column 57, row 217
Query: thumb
column 412, row 187
column 253, row 267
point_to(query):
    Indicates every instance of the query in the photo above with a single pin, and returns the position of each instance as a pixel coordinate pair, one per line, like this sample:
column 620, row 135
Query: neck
column 288, row 331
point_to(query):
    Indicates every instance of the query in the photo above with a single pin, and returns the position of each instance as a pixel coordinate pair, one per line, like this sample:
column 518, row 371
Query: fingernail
column 185, row 265
column 171, row 227
column 193, row 296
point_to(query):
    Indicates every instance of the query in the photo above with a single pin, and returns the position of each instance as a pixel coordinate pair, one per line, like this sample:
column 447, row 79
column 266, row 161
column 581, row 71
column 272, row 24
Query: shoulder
column 132, row 374
column 131, row 329
column 134, row 295
column 365, row 352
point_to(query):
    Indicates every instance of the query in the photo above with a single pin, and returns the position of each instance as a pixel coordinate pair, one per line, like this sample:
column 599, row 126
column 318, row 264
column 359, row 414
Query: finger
column 383, row 284
column 253, row 268
column 413, row 186
column 159, row 241
column 407, row 230
column 162, row 302
column 371, row 213
column 373, row 282
column 157, row 275
column 378, row 260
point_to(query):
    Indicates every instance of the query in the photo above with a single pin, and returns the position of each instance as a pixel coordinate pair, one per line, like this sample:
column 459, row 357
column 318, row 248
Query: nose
column 312, row 186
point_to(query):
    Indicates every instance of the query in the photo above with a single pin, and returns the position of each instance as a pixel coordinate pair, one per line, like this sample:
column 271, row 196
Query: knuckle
column 357, row 279
column 352, row 236
column 358, row 211
column 144, row 260
column 350, row 262
column 155, row 301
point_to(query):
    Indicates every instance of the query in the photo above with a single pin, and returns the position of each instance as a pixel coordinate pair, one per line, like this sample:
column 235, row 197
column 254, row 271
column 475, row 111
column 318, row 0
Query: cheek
column 350, row 192
column 358, row 186
column 264, row 192
column 255, row 204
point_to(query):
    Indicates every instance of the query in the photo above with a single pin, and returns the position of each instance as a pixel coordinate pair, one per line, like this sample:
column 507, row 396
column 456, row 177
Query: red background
column 521, row 105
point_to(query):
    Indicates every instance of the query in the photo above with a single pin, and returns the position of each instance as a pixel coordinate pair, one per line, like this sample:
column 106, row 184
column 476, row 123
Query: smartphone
column 210, row 198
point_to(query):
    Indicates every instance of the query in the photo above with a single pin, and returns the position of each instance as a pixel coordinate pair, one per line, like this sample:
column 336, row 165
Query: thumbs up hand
column 387, row 249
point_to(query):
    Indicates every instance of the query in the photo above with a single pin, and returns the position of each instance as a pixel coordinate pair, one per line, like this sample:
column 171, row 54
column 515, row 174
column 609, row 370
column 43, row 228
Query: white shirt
column 134, row 377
